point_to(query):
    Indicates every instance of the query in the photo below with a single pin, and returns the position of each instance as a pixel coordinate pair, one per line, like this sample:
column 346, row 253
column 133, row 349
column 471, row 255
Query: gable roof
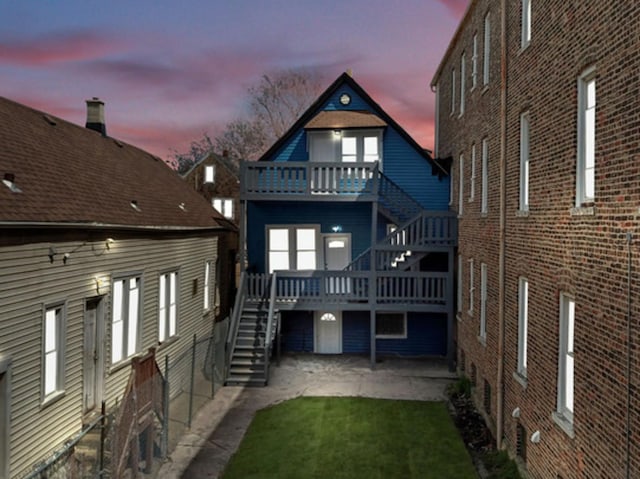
column 346, row 79
column 211, row 157
column 72, row 176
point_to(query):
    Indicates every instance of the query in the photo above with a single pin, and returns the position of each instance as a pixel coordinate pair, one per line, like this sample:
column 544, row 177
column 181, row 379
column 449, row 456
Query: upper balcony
column 306, row 181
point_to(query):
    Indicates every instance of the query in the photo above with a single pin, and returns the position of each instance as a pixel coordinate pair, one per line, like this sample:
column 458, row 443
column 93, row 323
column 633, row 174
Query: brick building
column 538, row 109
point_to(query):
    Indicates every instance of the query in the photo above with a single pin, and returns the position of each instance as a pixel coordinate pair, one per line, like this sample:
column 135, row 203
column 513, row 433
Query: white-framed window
column 472, row 287
column 474, row 62
column 483, row 301
column 472, row 180
column 391, row 325
column 53, row 357
column 586, row 162
column 360, row 147
column 125, row 318
column 526, row 23
column 5, row 415
column 484, row 207
column 168, row 305
column 453, row 91
column 524, row 161
column 292, row 247
column 460, row 266
column 462, row 82
column 460, row 185
column 565, row 359
column 209, row 173
column 224, row 206
column 487, row 49
column 523, row 319
column 208, row 280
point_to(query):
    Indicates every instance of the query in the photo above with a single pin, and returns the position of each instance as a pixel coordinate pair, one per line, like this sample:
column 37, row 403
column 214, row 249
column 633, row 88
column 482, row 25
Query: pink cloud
column 57, row 48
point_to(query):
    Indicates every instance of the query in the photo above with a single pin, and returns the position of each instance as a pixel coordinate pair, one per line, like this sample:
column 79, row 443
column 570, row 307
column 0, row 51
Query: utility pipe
column 628, row 425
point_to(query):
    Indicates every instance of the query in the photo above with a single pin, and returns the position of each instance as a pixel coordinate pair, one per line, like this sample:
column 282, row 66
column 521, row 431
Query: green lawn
column 351, row 438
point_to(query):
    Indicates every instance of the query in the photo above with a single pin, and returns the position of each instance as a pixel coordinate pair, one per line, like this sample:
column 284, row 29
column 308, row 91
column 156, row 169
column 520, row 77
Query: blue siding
column 426, row 336
column 355, row 332
column 297, row 331
column 355, row 218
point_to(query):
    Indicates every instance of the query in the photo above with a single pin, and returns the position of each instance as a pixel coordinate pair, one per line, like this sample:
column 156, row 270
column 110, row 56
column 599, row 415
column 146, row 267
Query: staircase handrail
column 268, row 338
column 234, row 320
column 414, row 206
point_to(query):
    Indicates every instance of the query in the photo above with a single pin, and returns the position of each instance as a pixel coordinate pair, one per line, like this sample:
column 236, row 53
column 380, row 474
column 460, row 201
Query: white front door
column 337, row 251
column 92, row 373
column 328, row 335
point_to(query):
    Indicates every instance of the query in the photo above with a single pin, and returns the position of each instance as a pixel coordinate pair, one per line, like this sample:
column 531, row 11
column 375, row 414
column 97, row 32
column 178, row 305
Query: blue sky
column 170, row 71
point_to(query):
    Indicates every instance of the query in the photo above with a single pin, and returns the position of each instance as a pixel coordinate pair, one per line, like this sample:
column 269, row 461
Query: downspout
column 503, row 216
column 628, row 418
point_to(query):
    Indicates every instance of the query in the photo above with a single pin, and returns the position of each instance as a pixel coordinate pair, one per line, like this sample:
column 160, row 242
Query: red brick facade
column 560, row 245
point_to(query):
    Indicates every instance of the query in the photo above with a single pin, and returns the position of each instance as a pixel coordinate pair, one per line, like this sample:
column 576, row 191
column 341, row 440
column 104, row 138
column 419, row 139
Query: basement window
column 391, row 325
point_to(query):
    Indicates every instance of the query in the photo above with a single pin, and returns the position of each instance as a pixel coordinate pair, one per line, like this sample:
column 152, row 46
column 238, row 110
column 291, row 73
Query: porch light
column 336, row 228
column 337, row 133
column 108, row 242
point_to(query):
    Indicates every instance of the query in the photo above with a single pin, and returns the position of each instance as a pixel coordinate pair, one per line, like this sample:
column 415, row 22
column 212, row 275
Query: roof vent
column 95, row 116
column 182, row 206
column 49, row 120
column 134, row 205
column 10, row 182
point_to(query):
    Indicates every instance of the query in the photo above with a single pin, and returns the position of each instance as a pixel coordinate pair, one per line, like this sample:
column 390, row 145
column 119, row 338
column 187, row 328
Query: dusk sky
column 169, row 71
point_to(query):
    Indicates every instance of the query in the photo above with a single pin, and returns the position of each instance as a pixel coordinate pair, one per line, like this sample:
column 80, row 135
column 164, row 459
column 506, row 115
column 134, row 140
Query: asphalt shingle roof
column 345, row 119
column 70, row 174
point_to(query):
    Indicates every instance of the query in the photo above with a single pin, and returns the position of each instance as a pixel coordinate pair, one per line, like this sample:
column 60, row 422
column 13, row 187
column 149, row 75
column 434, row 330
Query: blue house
column 347, row 240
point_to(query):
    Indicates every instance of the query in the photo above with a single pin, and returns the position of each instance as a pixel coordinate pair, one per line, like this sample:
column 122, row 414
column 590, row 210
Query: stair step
column 257, row 371
column 243, row 381
column 248, row 363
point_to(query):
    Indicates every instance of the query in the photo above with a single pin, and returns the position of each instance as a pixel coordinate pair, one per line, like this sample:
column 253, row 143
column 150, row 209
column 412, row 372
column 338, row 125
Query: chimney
column 95, row 116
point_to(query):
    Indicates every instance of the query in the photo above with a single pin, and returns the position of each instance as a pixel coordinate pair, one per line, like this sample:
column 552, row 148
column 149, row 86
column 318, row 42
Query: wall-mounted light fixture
column 108, row 242
column 337, row 133
column 336, row 228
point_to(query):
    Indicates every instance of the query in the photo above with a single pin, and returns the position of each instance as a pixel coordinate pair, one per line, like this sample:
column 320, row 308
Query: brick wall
column 556, row 249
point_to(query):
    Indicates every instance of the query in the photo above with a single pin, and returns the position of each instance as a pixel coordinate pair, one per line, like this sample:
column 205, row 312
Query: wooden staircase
column 248, row 365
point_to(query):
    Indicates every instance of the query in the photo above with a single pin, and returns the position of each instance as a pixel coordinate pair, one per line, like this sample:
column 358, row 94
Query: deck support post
column 451, row 350
column 373, row 280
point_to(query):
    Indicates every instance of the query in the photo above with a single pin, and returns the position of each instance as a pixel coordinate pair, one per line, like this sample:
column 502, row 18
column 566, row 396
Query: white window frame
column 484, row 207
column 472, row 287
column 168, row 295
column 460, row 267
column 224, row 206
column 487, row 49
column 122, row 313
column 292, row 247
column 209, row 174
column 453, row 90
column 526, row 24
column 472, row 181
column 5, row 416
column 54, row 351
column 462, row 82
column 525, row 129
column 461, row 185
column 483, row 302
column 474, row 62
column 208, row 275
column 523, row 325
column 586, row 141
column 360, row 137
column 565, row 403
column 402, row 316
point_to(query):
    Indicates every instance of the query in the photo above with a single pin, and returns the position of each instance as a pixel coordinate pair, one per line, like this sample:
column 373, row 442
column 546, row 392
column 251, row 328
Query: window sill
column 523, row 48
column 583, row 211
column 482, row 340
column 484, row 214
column 522, row 380
column 167, row 342
column 470, row 313
column 471, row 199
column 485, row 88
column 564, row 424
column 123, row 363
column 522, row 213
column 52, row 398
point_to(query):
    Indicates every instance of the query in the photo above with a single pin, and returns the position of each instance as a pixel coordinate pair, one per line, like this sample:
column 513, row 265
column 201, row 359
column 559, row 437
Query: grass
column 352, row 438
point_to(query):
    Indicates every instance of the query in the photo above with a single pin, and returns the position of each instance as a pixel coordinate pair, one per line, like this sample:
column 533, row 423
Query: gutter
column 97, row 226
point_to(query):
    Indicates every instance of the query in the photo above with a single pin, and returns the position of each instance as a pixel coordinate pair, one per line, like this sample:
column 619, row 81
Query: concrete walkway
column 219, row 426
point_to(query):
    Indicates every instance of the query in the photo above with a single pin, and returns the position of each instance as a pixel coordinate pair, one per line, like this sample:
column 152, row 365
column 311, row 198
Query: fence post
column 212, row 339
column 103, row 436
column 165, row 413
column 193, row 371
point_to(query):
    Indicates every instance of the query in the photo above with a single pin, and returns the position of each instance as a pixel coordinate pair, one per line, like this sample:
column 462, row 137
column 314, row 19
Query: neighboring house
column 350, row 215
column 104, row 253
column 538, row 106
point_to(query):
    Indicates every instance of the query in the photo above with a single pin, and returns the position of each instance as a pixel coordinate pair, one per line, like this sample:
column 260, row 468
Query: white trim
column 486, row 60
column 474, row 62
column 523, row 320
column 168, row 304
column 460, row 267
column 462, row 82
column 59, row 316
column 525, row 129
column 566, row 376
column 472, row 287
column 483, row 301
column 292, row 247
column 472, row 181
column 461, row 185
column 525, row 35
column 316, row 326
column 586, row 146
column 484, row 206
column 453, row 90
column 124, row 308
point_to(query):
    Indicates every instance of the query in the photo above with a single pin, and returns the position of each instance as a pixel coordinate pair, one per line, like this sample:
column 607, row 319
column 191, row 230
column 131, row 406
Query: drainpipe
column 628, row 424
column 503, row 216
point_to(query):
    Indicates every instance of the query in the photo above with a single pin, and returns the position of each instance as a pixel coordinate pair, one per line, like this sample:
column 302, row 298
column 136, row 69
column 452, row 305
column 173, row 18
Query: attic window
column 209, row 173
column 9, row 181
column 49, row 120
column 134, row 205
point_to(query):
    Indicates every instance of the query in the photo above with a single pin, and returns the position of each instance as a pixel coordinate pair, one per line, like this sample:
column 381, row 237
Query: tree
column 273, row 105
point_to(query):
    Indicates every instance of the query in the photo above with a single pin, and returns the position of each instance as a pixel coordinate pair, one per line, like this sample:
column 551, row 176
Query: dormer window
column 209, row 174
column 349, row 146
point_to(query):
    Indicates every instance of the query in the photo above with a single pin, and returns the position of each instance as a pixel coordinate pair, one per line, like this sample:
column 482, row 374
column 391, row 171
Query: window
column 472, row 185
column 207, row 285
column 487, row 49
column 53, row 352
column 462, row 83
column 585, row 189
column 524, row 161
column 125, row 327
column 453, row 91
column 360, row 147
column 168, row 306
column 523, row 313
column 485, row 176
column 483, row 301
column 209, row 173
column 471, row 287
column 460, row 283
column 391, row 325
column 292, row 248
column 5, row 415
column 460, row 185
column 526, row 23
column 474, row 62
column 224, row 206
column 565, row 360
